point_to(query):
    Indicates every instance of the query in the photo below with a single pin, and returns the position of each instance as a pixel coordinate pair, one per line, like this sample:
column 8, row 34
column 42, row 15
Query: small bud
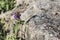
column 17, row 15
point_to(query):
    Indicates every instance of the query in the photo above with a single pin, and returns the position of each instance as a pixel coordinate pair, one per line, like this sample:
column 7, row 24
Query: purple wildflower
column 17, row 15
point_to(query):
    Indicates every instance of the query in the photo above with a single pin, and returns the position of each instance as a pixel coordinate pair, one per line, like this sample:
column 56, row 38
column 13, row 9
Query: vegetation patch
column 6, row 5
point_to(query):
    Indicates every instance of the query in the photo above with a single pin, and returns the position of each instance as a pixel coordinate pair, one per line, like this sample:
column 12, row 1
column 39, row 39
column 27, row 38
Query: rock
column 40, row 13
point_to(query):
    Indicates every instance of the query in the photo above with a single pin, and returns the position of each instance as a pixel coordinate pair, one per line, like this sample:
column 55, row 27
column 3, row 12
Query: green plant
column 1, row 30
column 10, row 37
column 6, row 5
column 15, row 28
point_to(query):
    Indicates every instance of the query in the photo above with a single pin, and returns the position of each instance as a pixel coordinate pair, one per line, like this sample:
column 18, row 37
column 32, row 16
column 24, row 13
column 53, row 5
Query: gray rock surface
column 42, row 19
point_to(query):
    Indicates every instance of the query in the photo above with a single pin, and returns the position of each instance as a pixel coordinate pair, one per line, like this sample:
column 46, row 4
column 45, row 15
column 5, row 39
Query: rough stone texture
column 42, row 18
